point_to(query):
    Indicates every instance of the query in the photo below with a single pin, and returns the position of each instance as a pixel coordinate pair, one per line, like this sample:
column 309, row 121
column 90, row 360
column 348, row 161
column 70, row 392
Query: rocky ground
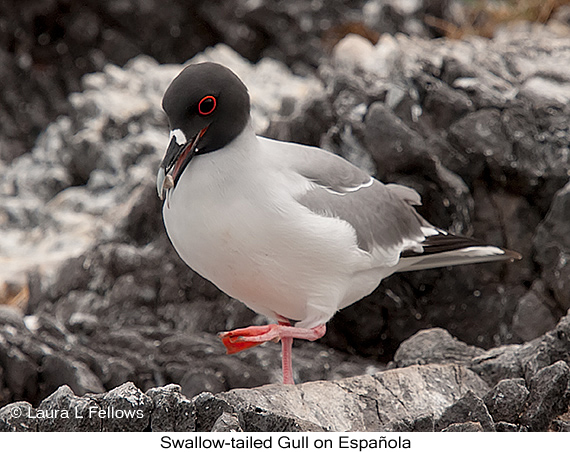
column 96, row 297
column 439, row 384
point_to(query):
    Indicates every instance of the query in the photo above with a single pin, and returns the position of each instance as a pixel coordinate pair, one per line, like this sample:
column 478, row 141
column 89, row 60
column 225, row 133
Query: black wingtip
column 445, row 242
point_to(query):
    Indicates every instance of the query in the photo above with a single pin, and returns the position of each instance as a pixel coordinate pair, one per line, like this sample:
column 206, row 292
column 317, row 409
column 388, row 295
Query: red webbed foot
column 244, row 338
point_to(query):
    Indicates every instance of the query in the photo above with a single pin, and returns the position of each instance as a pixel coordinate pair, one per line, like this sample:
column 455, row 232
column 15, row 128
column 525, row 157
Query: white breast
column 233, row 219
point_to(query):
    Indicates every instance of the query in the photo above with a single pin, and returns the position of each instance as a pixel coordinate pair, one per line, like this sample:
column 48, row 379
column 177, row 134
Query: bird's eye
column 207, row 105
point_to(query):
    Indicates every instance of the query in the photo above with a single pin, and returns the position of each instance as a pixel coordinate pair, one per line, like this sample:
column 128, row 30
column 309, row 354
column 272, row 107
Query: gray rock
column 443, row 104
column 469, row 408
column 72, row 275
column 4, row 393
column 83, row 323
column 125, row 408
column 506, row 400
column 549, row 396
column 560, row 426
column 63, row 411
column 172, row 412
column 11, row 316
column 292, row 32
column 480, row 134
column 435, row 345
column 227, row 423
column 407, row 399
column 398, row 151
column 207, row 410
column 20, row 373
column 197, row 379
column 494, row 365
column 57, row 370
column 506, row 427
column 500, row 363
column 464, row 427
column 424, row 424
column 126, row 287
column 533, row 317
column 41, row 353
column 545, row 92
column 136, row 218
column 368, row 403
column 391, row 141
column 124, row 258
column 249, row 417
column 508, row 219
column 524, row 361
column 551, row 244
column 421, row 424
column 18, row 417
column 259, row 420
column 117, row 371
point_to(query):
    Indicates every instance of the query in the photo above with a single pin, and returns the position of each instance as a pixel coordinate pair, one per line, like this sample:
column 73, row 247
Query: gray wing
column 381, row 215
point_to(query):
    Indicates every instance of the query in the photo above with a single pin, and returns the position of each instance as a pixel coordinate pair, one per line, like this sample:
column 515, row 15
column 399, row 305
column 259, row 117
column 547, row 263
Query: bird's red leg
column 244, row 338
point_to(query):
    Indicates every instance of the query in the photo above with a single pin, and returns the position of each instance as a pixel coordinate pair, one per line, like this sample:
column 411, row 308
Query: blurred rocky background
column 466, row 102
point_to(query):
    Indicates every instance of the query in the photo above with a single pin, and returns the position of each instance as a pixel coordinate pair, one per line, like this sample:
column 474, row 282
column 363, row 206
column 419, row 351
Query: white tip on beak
column 164, row 182
column 160, row 177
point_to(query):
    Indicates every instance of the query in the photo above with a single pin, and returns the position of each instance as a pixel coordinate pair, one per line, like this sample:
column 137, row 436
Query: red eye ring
column 207, row 105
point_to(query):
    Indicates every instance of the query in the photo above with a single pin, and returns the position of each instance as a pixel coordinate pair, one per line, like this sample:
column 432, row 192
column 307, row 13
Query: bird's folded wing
column 383, row 217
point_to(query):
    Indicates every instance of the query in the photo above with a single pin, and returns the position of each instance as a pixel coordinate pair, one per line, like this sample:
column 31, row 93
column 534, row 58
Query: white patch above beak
column 179, row 136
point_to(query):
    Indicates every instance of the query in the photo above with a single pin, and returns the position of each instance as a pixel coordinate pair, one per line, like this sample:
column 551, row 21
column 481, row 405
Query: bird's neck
column 243, row 147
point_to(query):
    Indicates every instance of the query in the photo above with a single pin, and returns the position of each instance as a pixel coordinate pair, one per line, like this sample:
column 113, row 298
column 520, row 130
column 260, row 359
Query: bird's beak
column 176, row 159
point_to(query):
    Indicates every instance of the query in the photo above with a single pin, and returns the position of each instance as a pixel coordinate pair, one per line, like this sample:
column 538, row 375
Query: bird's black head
column 207, row 107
